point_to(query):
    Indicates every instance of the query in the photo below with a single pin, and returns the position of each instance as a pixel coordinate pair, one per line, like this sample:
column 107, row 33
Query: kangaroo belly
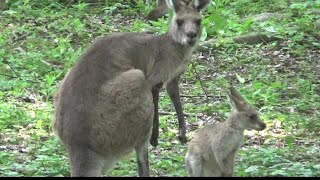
column 211, row 168
column 123, row 115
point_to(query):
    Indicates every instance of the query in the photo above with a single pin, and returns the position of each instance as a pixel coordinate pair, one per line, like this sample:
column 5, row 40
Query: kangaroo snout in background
column 104, row 107
column 213, row 149
column 161, row 9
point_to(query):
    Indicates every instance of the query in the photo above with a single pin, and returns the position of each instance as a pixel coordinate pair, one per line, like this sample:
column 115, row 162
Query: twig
column 194, row 96
column 200, row 102
column 198, row 77
column 191, row 96
column 21, row 37
column 50, row 64
column 8, row 75
column 15, row 73
column 172, row 113
column 69, row 4
column 96, row 4
column 18, row 77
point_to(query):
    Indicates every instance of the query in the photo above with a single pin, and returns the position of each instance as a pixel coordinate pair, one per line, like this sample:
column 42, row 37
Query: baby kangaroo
column 104, row 107
column 212, row 151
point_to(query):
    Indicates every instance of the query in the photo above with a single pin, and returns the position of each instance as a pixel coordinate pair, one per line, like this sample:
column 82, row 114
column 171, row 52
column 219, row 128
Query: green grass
column 41, row 41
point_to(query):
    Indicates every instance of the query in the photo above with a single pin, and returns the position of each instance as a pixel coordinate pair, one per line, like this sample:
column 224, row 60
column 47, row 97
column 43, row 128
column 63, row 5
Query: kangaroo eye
column 179, row 22
column 253, row 116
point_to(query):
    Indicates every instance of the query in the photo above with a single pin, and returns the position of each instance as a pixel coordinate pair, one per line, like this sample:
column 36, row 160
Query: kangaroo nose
column 191, row 34
column 263, row 126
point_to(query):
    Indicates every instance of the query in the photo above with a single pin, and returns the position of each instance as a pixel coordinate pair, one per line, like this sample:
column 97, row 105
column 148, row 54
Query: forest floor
column 40, row 42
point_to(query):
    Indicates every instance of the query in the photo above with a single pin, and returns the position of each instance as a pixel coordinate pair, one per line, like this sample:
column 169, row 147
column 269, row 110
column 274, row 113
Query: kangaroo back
column 104, row 105
column 213, row 149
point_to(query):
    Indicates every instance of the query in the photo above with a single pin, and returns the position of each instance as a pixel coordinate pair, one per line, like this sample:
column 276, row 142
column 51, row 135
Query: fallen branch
column 263, row 17
column 255, row 38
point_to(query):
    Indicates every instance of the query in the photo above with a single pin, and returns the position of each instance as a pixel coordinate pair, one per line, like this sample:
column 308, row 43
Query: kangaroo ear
column 175, row 4
column 235, row 103
column 236, row 94
column 199, row 4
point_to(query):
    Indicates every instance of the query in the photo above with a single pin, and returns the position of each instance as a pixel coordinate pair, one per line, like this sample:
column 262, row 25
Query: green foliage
column 41, row 41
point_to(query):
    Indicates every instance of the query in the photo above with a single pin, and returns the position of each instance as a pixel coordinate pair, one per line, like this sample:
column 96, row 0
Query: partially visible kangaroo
column 172, row 86
column 161, row 9
column 104, row 105
column 213, row 149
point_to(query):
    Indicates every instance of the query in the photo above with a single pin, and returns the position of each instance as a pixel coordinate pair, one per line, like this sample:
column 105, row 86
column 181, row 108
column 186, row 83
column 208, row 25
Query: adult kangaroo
column 104, row 106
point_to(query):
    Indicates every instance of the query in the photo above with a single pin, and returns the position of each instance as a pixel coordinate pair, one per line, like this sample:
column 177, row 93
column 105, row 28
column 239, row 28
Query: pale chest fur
column 179, row 68
column 235, row 140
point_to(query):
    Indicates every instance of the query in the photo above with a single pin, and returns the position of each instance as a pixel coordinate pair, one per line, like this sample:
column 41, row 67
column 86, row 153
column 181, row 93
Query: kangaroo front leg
column 85, row 162
column 173, row 91
column 217, row 152
column 229, row 164
column 155, row 129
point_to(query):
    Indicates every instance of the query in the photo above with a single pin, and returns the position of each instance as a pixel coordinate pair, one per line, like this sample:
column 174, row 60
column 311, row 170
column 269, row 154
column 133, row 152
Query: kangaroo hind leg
column 85, row 162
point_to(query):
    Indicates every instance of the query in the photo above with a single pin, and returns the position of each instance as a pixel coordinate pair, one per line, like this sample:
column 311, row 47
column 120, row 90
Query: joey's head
column 246, row 117
column 185, row 27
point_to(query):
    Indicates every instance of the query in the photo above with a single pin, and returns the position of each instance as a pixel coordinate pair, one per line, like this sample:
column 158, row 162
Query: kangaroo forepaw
column 154, row 141
column 182, row 136
column 183, row 140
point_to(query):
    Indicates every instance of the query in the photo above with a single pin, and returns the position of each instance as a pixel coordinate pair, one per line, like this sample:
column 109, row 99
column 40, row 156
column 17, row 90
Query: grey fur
column 104, row 106
column 213, row 149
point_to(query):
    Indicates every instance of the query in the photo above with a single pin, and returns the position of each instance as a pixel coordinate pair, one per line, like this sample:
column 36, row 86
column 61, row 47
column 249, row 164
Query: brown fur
column 104, row 105
column 213, row 149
